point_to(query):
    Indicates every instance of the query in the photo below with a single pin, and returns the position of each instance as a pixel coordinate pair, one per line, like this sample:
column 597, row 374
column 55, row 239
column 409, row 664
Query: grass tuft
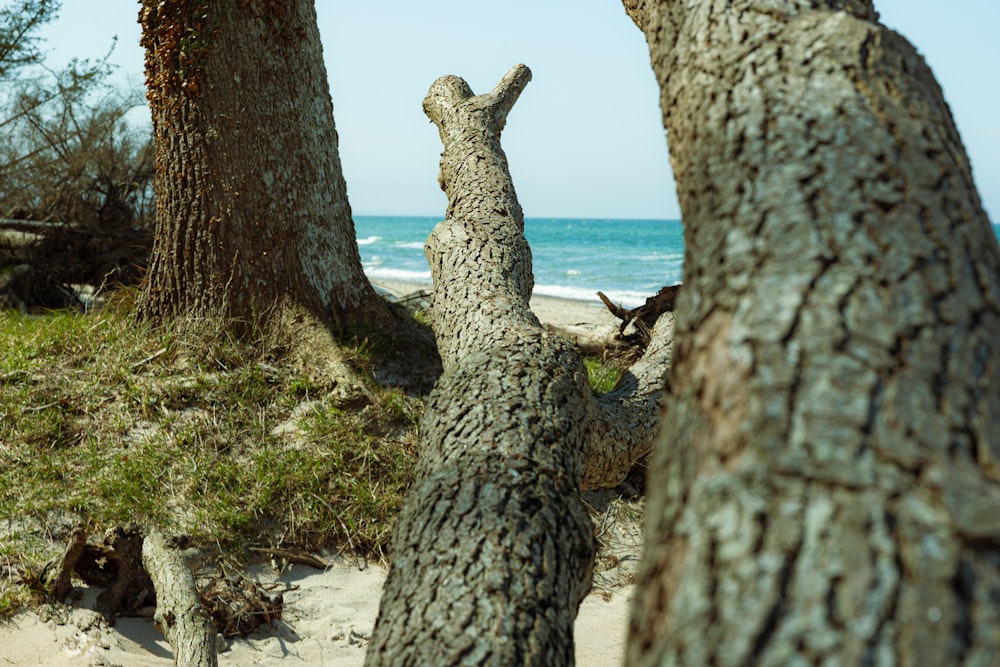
column 106, row 421
column 603, row 374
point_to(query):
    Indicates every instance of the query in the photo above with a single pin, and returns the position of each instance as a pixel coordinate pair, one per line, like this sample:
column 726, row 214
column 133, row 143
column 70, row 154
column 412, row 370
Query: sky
column 585, row 139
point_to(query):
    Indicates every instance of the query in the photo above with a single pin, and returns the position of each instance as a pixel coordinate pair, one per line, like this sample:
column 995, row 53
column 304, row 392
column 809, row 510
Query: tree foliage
column 72, row 155
column 74, row 158
column 19, row 24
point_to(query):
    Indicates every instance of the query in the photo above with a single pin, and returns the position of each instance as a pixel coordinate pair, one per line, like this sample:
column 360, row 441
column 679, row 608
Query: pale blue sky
column 585, row 139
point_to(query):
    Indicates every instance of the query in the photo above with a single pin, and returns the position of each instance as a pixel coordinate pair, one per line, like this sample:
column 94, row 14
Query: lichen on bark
column 833, row 421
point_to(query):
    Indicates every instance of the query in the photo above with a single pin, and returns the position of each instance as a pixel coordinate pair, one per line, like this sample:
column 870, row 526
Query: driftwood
column 28, row 289
column 637, row 324
column 76, row 253
column 49, row 257
column 114, row 565
column 238, row 605
column 56, row 576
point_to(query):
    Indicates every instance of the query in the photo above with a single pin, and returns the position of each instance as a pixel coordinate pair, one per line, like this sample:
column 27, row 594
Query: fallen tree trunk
column 60, row 253
column 492, row 553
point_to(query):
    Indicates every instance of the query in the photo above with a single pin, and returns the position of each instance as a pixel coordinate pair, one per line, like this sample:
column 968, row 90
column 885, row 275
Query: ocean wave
column 661, row 257
column 565, row 292
column 399, row 274
column 627, row 299
column 627, row 260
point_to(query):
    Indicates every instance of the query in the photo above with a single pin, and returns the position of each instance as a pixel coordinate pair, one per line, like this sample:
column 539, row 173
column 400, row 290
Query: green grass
column 603, row 374
column 106, row 422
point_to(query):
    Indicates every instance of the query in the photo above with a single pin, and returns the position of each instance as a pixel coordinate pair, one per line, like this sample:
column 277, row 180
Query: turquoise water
column 628, row 260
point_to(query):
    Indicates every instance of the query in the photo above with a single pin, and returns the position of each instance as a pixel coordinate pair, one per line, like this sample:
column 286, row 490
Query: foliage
column 103, row 421
column 177, row 37
column 19, row 21
column 71, row 154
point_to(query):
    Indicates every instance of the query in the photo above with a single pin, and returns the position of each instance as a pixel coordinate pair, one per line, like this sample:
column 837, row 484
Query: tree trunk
column 252, row 211
column 179, row 612
column 492, row 553
column 826, row 487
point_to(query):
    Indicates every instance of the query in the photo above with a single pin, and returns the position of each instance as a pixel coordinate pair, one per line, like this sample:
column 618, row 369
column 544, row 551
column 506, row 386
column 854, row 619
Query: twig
column 150, row 358
column 293, row 557
column 615, row 309
column 40, row 408
column 13, row 374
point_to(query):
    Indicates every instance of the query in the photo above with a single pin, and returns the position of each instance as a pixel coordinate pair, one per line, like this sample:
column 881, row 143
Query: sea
column 628, row 260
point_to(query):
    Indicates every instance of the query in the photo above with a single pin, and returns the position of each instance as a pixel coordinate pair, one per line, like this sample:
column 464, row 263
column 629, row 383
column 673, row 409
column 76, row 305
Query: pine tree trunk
column 826, row 486
column 492, row 553
column 252, row 211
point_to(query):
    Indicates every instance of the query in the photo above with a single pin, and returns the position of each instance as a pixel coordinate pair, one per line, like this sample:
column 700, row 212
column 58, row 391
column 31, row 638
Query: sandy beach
column 328, row 617
column 553, row 311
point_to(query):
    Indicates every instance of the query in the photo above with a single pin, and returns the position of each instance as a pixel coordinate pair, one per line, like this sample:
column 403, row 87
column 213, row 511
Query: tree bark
column 252, row 211
column 179, row 612
column 826, row 487
column 492, row 553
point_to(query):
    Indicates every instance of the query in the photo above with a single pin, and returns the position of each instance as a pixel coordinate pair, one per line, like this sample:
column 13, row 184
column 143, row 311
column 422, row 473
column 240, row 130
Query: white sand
column 327, row 619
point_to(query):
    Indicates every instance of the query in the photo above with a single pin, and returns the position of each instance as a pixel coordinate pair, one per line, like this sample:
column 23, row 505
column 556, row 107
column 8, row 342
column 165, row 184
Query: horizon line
column 527, row 217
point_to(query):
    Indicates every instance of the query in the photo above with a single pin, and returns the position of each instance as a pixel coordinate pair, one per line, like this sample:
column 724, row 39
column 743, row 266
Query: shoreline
column 559, row 312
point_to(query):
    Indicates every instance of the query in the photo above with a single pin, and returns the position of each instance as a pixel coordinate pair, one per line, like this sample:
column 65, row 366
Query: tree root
column 142, row 571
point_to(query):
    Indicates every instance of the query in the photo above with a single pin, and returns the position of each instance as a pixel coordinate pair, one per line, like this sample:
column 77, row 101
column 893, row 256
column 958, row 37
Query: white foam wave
column 369, row 240
column 415, row 245
column 662, row 257
column 623, row 297
column 399, row 274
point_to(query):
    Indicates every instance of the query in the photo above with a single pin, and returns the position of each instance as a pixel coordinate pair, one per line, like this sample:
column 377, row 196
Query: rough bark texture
column 492, row 553
column 252, row 211
column 826, row 487
column 179, row 613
